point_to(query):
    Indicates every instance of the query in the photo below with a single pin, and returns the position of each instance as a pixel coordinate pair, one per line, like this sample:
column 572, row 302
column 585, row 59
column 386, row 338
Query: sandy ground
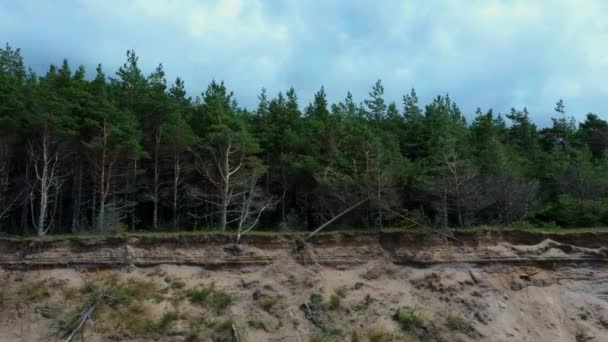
column 342, row 288
column 489, row 303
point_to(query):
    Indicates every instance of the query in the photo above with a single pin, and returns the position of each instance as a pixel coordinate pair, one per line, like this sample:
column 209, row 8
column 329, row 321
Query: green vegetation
column 119, row 306
column 409, row 318
column 218, row 300
column 198, row 296
column 268, row 301
column 335, row 303
column 364, row 304
column 131, row 143
column 458, row 323
column 258, row 324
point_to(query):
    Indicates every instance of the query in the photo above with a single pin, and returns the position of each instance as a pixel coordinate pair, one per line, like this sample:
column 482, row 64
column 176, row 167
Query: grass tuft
column 409, row 318
column 335, row 303
column 458, row 323
column 267, row 302
column 379, row 334
column 258, row 324
column 218, row 300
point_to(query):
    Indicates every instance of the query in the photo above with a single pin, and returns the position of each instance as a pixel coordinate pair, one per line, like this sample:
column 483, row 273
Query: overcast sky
column 486, row 53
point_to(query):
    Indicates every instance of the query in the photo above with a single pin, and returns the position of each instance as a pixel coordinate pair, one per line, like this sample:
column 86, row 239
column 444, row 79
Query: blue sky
column 486, row 53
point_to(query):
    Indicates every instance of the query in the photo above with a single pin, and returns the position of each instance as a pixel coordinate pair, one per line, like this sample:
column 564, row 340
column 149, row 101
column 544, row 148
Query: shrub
column 198, row 296
column 220, row 301
column 267, row 302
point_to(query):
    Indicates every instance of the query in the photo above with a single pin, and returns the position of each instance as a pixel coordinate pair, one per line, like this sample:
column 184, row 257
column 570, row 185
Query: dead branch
column 235, row 334
column 321, row 227
column 436, row 231
column 84, row 316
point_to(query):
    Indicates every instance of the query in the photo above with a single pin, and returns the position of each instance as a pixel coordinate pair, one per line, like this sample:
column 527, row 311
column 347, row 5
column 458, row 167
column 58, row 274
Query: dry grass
column 266, row 302
column 34, row 291
column 458, row 323
column 380, row 334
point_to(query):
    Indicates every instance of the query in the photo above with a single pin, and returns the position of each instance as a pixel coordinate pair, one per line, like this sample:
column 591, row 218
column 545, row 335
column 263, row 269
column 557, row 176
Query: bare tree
column 47, row 182
column 104, row 167
column 225, row 171
column 253, row 204
column 381, row 180
column 457, row 187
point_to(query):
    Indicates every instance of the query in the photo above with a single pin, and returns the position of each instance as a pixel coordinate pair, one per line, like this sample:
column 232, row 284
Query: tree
column 456, row 186
column 116, row 136
column 157, row 112
column 375, row 104
column 50, row 124
column 594, row 133
column 523, row 134
column 12, row 111
column 254, row 202
column 231, row 149
column 180, row 140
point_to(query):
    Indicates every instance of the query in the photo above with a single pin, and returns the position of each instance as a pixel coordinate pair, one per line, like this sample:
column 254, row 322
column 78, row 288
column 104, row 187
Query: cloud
column 488, row 53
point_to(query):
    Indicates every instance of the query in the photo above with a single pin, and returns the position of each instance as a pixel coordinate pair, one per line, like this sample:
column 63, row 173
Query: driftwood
column 79, row 323
column 235, row 334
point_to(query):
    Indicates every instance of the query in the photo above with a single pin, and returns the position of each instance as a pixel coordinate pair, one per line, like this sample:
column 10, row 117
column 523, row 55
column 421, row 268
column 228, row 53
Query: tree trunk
column 44, row 185
column 104, row 180
column 134, row 190
column 77, row 198
column 25, row 203
column 176, row 175
column 224, row 210
column 445, row 204
column 156, row 177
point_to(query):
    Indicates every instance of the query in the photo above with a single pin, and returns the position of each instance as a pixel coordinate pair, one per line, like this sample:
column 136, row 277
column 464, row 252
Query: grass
column 458, row 323
column 259, row 325
column 335, row 303
column 218, row 300
column 198, row 296
column 34, row 291
column 409, row 318
column 364, row 304
column 267, row 302
column 133, row 290
column 121, row 306
column 271, row 233
column 164, row 323
column 380, row 334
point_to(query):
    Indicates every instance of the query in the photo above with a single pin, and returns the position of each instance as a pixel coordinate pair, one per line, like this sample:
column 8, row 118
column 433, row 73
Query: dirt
column 343, row 287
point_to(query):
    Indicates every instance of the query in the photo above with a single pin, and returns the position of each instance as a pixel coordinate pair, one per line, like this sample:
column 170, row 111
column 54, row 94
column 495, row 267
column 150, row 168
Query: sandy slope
column 452, row 301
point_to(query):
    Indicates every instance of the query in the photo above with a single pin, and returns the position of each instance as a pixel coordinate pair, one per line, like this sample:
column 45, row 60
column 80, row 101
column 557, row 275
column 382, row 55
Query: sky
column 485, row 53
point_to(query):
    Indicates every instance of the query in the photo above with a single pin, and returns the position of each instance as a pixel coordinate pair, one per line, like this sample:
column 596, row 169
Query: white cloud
column 497, row 53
